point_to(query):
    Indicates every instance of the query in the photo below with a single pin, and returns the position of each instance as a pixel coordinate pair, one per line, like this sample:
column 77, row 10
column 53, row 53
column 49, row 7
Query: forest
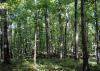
column 49, row 35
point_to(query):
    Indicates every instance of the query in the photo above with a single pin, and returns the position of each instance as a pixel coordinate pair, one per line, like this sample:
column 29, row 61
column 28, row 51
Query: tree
column 61, row 31
column 47, row 29
column 97, row 30
column 5, row 45
column 36, row 22
column 5, row 42
column 84, row 37
column 66, row 35
column 75, row 31
column 1, row 40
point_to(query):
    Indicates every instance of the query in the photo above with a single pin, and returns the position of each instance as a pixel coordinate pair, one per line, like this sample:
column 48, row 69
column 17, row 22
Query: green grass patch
column 47, row 65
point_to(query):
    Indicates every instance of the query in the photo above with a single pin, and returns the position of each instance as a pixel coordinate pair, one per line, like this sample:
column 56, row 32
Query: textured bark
column 1, row 40
column 84, row 37
column 65, row 44
column 47, row 30
column 35, row 39
column 35, row 48
column 6, row 44
column 36, row 30
column 5, row 36
column 65, row 39
column 19, row 41
column 75, row 32
column 61, row 31
column 97, row 31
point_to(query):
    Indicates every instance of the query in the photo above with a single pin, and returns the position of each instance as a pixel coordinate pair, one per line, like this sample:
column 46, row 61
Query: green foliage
column 46, row 65
column 22, row 15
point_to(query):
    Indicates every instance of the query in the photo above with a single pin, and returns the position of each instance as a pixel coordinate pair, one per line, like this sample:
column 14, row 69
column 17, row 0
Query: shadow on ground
column 46, row 65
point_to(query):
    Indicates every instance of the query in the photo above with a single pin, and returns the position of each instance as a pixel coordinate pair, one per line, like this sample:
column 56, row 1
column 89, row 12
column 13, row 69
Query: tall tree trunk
column 6, row 44
column 65, row 40
column 61, row 30
column 5, row 35
column 35, row 46
column 19, row 41
column 36, row 25
column 84, row 37
column 97, row 30
column 47, row 30
column 1, row 40
column 75, row 32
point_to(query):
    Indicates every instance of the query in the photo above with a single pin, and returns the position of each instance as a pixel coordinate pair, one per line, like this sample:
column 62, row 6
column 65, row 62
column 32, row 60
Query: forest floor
column 47, row 65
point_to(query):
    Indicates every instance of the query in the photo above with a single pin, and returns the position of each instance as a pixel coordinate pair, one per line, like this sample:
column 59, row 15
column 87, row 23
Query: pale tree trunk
column 36, row 23
column 35, row 45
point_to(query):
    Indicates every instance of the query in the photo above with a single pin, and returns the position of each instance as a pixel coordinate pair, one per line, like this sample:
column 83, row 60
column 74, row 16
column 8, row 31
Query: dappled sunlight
column 4, row 6
column 92, row 63
column 46, row 65
column 49, row 35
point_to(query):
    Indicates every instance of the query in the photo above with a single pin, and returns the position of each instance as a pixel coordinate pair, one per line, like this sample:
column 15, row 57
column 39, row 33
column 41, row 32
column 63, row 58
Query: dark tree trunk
column 65, row 39
column 5, row 36
column 97, row 30
column 1, row 40
column 75, row 32
column 1, row 45
column 47, row 30
column 61, row 30
column 84, row 37
column 2, row 13
column 6, row 44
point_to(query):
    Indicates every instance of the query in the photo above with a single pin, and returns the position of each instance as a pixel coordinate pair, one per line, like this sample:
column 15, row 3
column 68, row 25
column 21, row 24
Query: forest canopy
column 49, row 35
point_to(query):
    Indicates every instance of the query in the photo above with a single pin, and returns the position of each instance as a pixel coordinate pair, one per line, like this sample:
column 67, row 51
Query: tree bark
column 1, row 40
column 97, row 31
column 75, row 32
column 61, row 30
column 5, row 35
column 66, row 34
column 36, row 30
column 84, row 37
column 47, row 30
column 6, row 44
